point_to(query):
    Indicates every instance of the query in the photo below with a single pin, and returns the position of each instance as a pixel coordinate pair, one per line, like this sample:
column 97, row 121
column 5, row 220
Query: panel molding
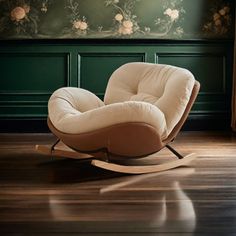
column 107, row 54
column 111, row 54
column 67, row 57
column 197, row 54
column 29, row 103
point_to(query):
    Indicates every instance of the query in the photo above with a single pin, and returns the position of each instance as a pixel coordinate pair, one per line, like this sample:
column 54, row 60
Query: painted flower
column 76, row 24
column 126, row 28
column 82, row 25
column 128, row 24
column 222, row 11
column 125, row 31
column 119, row 17
column 218, row 23
column 18, row 13
column 216, row 16
column 173, row 14
column 168, row 12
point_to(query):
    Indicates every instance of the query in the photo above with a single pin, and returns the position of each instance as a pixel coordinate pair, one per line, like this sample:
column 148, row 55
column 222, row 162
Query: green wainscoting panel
column 28, row 80
column 202, row 66
column 17, row 69
column 210, row 70
column 32, row 70
column 96, row 68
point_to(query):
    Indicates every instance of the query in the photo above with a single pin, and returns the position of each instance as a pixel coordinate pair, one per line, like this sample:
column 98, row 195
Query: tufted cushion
column 77, row 111
column 166, row 87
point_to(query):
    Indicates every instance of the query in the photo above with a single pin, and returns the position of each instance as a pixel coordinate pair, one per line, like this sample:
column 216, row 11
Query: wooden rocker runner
column 144, row 108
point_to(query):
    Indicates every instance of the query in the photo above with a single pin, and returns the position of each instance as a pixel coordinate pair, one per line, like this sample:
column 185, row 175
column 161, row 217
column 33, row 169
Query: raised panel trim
column 192, row 54
column 106, row 54
column 18, row 101
column 66, row 55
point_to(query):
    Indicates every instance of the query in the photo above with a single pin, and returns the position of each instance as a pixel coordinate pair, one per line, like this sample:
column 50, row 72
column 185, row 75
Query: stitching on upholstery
column 166, row 72
column 65, row 100
column 149, row 70
column 72, row 97
column 165, row 75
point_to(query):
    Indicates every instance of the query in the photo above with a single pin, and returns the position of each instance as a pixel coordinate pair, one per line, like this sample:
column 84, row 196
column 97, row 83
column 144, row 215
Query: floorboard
column 40, row 196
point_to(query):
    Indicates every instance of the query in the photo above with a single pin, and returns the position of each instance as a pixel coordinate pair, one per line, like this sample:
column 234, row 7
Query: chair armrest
column 67, row 102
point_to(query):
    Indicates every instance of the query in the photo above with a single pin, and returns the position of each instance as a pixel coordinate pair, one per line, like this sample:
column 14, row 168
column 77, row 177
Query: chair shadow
column 74, row 171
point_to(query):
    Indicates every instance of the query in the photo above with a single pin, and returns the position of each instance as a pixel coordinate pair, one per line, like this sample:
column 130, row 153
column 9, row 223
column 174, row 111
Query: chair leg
column 174, row 151
column 53, row 147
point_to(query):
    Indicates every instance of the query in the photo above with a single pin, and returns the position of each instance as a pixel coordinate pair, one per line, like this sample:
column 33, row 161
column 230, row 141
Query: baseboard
column 209, row 122
column 24, row 126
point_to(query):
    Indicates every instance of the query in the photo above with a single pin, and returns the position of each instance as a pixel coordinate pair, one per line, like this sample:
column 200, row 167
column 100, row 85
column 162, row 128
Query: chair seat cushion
column 77, row 111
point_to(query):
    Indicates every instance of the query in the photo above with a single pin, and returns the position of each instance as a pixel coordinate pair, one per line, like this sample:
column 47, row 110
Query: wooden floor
column 39, row 196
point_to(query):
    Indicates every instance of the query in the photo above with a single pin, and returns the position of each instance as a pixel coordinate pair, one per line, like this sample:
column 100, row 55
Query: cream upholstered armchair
column 144, row 108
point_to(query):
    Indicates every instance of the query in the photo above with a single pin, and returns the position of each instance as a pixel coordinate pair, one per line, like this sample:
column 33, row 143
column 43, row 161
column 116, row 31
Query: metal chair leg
column 174, row 151
column 52, row 148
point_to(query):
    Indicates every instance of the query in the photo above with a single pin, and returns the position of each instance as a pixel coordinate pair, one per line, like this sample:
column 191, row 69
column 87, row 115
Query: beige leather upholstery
column 154, row 94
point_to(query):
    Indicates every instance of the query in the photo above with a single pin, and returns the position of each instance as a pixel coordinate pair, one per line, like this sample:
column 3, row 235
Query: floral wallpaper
column 167, row 19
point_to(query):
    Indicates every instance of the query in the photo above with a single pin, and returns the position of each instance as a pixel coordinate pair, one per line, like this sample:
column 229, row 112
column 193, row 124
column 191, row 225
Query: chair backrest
column 165, row 86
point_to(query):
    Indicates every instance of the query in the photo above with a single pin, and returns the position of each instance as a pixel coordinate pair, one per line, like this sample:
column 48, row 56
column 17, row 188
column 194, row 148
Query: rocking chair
column 144, row 108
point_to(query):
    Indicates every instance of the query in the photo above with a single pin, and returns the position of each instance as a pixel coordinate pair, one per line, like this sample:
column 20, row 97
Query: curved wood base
column 144, row 168
column 61, row 150
column 139, row 167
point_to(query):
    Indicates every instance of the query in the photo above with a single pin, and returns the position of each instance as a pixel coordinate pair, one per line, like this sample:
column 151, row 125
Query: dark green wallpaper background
column 167, row 19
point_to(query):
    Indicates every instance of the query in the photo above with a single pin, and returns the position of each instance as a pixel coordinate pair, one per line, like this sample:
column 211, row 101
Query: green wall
column 32, row 70
column 168, row 19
